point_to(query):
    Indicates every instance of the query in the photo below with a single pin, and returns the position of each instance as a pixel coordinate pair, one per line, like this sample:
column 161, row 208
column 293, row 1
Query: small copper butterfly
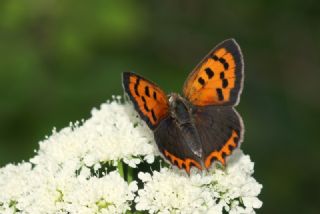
column 201, row 125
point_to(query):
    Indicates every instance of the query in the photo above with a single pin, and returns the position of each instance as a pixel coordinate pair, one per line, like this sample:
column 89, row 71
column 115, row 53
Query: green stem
column 120, row 168
column 130, row 174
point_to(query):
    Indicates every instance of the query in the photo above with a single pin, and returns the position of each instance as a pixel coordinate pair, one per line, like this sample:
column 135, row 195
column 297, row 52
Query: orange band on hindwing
column 186, row 164
column 224, row 151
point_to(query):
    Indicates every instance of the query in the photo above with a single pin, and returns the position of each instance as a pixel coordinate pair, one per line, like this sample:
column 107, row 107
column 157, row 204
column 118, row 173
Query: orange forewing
column 217, row 80
column 149, row 100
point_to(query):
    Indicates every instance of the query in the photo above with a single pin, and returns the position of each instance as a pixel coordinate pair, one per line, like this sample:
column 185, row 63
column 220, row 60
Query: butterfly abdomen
column 182, row 116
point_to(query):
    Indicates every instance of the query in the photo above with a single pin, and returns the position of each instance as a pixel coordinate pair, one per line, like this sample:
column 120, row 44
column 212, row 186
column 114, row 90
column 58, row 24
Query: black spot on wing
column 222, row 60
column 224, row 83
column 136, row 86
column 153, row 115
column 220, row 94
column 155, row 95
column 145, row 106
column 215, row 58
column 143, row 99
column 224, row 63
column 146, row 91
column 222, row 75
column 209, row 73
column 201, row 81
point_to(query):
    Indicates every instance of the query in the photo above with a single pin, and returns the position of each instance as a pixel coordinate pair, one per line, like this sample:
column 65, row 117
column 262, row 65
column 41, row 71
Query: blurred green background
column 59, row 59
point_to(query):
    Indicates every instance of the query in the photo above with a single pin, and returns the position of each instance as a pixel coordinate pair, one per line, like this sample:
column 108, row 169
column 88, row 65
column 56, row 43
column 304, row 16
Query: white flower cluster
column 114, row 132
column 231, row 189
column 29, row 190
column 80, row 170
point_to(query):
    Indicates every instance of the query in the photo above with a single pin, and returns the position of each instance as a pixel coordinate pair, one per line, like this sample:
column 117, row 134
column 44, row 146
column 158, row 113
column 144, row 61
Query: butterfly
column 200, row 126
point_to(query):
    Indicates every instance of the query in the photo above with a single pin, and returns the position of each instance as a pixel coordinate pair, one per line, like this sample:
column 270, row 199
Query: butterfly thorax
column 180, row 109
column 181, row 112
